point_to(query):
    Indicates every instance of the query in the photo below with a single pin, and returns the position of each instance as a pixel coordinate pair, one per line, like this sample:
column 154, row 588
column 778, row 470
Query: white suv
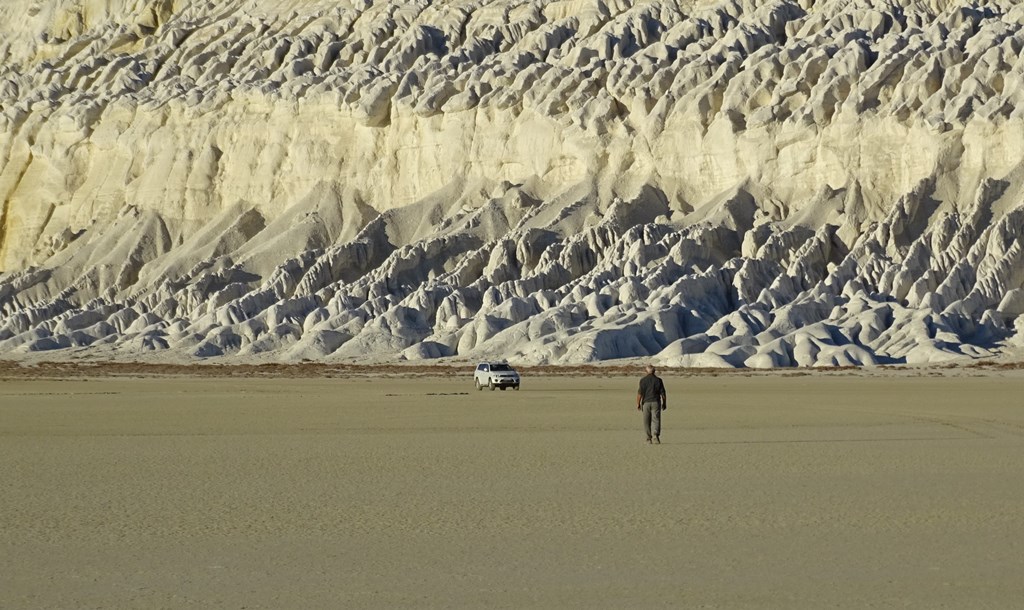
column 495, row 375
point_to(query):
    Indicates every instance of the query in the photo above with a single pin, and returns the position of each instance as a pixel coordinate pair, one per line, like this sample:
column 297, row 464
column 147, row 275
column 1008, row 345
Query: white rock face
column 755, row 183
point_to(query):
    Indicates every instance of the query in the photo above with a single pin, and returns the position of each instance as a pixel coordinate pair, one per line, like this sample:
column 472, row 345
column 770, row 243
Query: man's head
column 650, row 369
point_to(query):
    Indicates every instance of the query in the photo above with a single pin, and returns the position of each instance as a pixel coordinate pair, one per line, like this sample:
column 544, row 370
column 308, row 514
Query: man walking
column 650, row 399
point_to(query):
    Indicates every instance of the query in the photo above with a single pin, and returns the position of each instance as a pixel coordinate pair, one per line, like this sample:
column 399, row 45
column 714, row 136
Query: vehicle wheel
column 490, row 384
column 516, row 387
column 477, row 384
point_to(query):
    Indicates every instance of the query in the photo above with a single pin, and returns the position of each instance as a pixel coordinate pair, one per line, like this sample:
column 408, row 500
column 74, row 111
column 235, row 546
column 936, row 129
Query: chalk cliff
column 753, row 183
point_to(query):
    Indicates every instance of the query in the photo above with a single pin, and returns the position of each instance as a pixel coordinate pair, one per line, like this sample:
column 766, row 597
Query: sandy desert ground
column 783, row 490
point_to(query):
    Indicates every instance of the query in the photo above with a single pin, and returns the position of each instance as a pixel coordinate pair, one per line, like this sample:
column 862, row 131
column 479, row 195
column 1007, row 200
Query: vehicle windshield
column 500, row 367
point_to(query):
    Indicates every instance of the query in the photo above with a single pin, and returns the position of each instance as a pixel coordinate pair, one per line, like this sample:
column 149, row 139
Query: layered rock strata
column 709, row 183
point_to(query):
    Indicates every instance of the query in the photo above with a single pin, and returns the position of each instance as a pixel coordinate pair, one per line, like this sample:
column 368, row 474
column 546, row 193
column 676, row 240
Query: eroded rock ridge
column 705, row 183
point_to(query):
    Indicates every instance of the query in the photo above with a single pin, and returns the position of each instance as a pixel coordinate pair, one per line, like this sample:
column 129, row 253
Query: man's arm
column 639, row 399
column 664, row 400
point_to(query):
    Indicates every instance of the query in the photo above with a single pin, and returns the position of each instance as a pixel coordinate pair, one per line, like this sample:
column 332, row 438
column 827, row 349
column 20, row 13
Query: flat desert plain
column 388, row 490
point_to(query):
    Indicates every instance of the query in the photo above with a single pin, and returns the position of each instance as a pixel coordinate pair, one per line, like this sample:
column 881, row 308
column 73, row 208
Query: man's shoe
column 648, row 441
column 657, row 441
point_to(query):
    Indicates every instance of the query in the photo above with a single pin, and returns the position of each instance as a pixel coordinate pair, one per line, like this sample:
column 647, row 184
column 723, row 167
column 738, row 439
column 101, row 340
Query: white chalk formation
column 713, row 183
